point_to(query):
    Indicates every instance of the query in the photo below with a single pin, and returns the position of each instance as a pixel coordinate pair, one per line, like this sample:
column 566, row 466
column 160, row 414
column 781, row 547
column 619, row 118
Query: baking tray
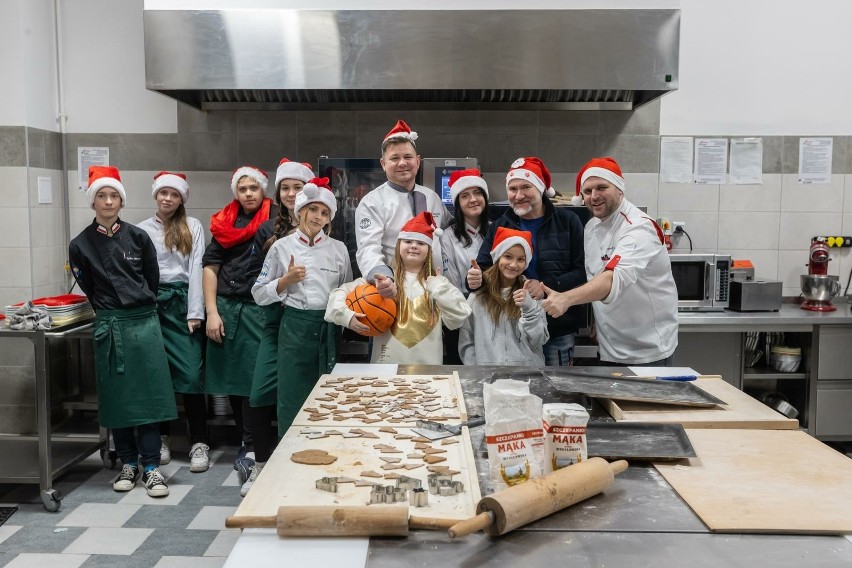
column 626, row 388
column 642, row 441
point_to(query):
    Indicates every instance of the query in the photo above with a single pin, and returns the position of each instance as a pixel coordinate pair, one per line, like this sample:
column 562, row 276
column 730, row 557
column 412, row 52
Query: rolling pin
column 516, row 506
column 377, row 520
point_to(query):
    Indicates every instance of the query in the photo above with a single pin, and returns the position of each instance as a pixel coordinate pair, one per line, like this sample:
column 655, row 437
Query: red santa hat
column 293, row 170
column 104, row 176
column 316, row 190
column 401, row 131
column 506, row 238
column 461, row 180
column 605, row 168
column 254, row 173
column 533, row 170
column 172, row 180
column 420, row 228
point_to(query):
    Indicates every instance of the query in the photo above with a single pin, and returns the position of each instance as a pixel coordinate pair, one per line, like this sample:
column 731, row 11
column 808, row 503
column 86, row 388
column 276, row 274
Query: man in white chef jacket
column 630, row 281
column 381, row 213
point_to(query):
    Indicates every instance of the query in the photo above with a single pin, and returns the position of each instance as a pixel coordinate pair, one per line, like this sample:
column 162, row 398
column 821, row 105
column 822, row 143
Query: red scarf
column 222, row 223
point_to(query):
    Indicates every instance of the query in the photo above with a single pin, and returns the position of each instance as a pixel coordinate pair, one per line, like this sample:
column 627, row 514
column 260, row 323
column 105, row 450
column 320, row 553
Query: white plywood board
column 393, row 400
column 284, row 482
column 767, row 481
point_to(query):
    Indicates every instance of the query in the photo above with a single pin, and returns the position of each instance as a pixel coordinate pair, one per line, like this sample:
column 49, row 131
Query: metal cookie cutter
column 443, row 484
column 418, row 497
column 387, row 494
column 327, row 484
column 408, row 483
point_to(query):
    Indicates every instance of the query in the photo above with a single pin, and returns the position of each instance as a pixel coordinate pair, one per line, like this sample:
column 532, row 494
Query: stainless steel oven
column 702, row 280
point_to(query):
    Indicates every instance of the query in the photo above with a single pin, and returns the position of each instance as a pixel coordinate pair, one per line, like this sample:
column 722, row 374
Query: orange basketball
column 380, row 312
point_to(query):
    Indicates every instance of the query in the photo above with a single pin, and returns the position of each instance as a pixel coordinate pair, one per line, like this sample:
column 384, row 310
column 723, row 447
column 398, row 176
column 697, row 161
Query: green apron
column 264, row 382
column 182, row 348
column 307, row 351
column 230, row 364
column 131, row 369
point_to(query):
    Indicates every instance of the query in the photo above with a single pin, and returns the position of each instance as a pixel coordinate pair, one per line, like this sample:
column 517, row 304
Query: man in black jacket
column 558, row 259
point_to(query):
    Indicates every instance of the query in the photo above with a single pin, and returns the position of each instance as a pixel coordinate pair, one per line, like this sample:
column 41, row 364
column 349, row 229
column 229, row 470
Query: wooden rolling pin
column 516, row 506
column 376, row 520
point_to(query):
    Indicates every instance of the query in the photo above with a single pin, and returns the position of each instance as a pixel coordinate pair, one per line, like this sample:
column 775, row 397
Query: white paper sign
column 676, row 159
column 711, row 160
column 815, row 160
column 90, row 157
column 747, row 161
column 45, row 190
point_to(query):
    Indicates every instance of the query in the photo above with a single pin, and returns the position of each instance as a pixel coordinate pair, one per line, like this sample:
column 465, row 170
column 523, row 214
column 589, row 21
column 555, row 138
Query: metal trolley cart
column 65, row 434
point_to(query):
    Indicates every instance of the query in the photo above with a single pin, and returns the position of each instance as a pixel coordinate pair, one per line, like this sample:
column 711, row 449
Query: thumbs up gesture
column 295, row 274
column 556, row 303
column 474, row 275
column 385, row 286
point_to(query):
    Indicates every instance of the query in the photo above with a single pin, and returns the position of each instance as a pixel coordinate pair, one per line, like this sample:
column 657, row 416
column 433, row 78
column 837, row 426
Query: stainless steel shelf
column 764, row 373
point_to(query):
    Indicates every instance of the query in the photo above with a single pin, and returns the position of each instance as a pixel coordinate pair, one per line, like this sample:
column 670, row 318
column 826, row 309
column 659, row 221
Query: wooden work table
column 639, row 520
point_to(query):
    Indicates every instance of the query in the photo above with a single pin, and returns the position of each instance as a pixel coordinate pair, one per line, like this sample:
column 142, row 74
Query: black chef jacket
column 240, row 264
column 115, row 272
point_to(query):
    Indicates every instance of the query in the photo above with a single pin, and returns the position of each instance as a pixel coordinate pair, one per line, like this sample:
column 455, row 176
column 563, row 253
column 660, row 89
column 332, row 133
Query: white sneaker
column 165, row 452
column 199, row 459
column 254, row 471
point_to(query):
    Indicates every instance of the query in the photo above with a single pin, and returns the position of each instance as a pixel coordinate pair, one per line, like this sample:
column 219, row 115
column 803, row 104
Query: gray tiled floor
column 99, row 527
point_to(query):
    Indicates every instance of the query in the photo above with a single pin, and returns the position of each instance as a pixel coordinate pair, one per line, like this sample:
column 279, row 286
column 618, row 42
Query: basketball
column 380, row 312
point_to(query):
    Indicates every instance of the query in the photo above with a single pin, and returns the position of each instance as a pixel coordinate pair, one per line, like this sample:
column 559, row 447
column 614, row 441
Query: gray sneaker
column 254, row 471
column 127, row 479
column 243, row 465
column 155, row 484
column 199, row 458
column 165, row 452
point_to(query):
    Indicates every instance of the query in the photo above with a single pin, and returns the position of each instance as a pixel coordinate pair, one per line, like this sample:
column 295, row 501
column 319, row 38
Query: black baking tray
column 626, row 388
column 638, row 441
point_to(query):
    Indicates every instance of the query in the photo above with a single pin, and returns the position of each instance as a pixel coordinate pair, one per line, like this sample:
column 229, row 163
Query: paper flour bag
column 513, row 432
column 564, row 435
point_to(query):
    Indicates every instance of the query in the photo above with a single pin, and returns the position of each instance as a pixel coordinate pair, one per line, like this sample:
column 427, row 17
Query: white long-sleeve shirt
column 415, row 344
column 457, row 257
column 177, row 267
column 378, row 219
column 326, row 265
column 637, row 322
column 510, row 342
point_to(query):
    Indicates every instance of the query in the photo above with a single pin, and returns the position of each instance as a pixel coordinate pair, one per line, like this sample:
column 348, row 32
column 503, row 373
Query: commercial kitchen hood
column 276, row 59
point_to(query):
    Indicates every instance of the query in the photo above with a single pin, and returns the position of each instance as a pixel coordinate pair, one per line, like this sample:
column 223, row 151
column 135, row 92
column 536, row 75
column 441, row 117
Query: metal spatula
column 439, row 430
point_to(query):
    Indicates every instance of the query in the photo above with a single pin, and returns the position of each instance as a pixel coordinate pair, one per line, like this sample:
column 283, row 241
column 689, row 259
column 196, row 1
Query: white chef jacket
column 637, row 322
column 176, row 267
column 326, row 265
column 457, row 257
column 379, row 218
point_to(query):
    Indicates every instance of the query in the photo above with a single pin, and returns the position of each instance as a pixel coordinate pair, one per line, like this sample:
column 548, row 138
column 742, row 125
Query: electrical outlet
column 678, row 226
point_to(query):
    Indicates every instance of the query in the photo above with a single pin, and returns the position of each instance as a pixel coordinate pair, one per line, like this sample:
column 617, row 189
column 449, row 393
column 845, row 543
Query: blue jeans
column 559, row 351
column 143, row 442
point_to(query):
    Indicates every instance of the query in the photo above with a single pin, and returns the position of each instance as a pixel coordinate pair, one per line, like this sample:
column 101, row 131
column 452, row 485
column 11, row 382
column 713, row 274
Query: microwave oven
column 703, row 281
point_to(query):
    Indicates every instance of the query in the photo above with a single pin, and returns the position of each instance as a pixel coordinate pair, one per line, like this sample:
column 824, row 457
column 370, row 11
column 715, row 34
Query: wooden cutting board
column 764, row 481
column 742, row 411
column 284, row 482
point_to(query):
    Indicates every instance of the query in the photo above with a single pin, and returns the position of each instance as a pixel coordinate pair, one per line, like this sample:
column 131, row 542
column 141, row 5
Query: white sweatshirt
column 457, row 257
column 410, row 340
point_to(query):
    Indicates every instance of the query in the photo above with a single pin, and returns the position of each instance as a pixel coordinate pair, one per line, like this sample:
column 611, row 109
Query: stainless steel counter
column 790, row 315
column 640, row 520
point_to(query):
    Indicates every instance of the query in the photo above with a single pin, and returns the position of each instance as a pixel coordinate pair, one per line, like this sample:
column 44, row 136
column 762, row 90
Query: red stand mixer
column 818, row 288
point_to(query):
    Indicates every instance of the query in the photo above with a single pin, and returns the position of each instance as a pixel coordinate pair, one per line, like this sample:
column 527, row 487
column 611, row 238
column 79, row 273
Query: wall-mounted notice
column 711, row 160
column 90, row 157
column 747, row 161
column 815, row 160
column 676, row 159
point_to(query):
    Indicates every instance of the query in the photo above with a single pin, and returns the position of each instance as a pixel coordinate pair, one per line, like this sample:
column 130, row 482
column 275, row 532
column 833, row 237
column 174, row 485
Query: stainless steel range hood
column 264, row 59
